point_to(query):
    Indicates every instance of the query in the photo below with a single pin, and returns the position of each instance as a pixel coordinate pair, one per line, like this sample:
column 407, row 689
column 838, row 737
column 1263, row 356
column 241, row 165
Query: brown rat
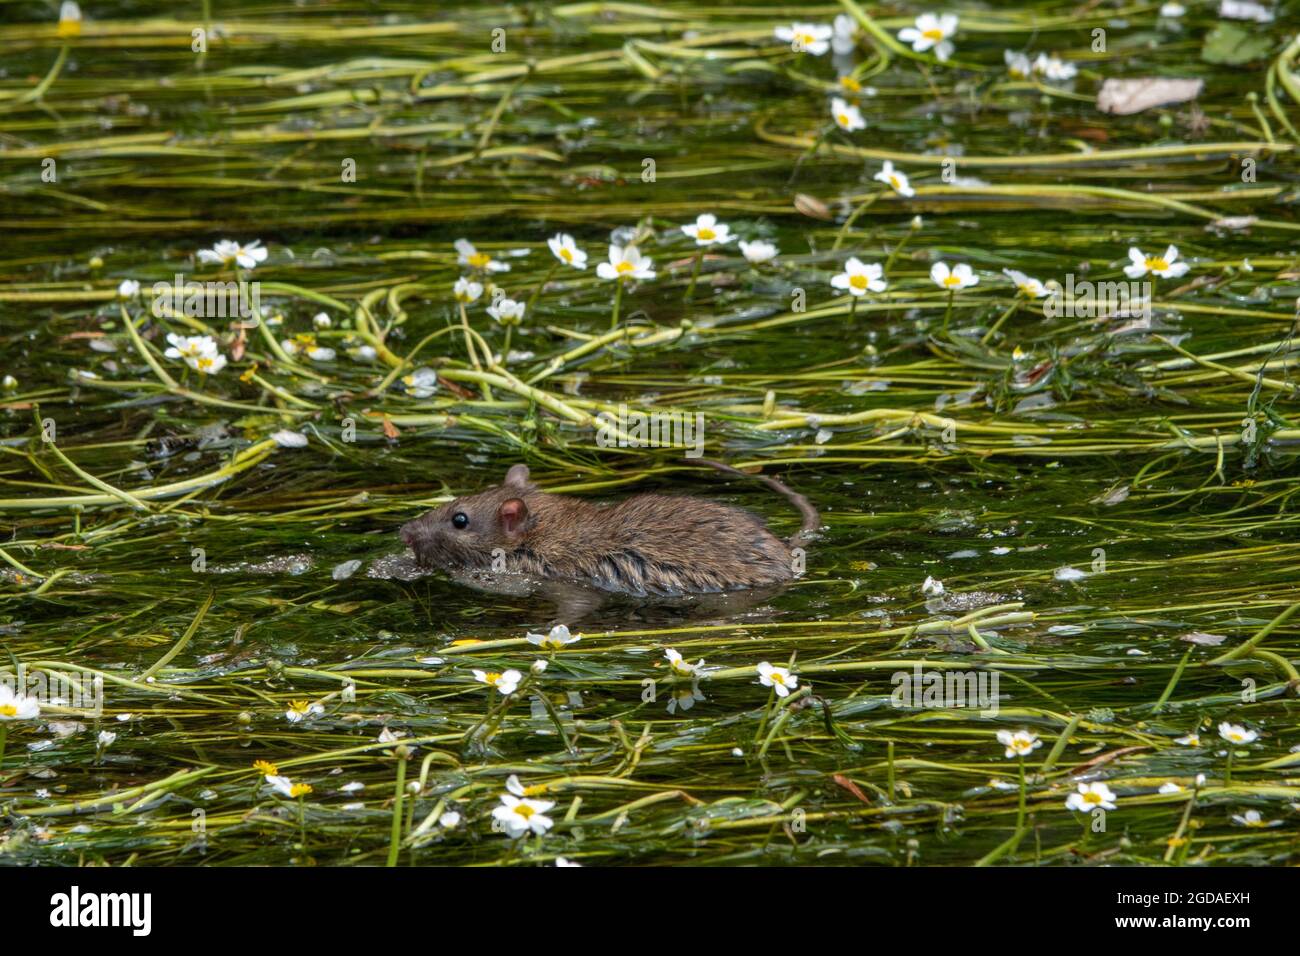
column 645, row 545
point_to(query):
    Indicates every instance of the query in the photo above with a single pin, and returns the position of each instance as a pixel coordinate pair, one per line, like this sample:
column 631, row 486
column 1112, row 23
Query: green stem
column 532, row 299
column 993, row 329
column 695, row 273
column 618, row 298
column 1020, row 814
column 394, row 841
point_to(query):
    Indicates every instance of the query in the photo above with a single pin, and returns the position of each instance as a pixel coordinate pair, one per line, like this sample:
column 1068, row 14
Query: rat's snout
column 410, row 532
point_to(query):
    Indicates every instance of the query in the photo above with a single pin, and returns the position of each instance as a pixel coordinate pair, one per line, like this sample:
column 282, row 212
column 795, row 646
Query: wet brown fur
column 647, row 544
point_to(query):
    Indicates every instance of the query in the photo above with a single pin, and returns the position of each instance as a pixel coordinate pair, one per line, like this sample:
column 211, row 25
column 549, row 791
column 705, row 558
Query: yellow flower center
column 1091, row 797
column 858, row 281
column 8, row 710
column 566, row 255
column 951, row 281
column 479, row 260
column 624, row 267
column 805, row 39
column 1156, row 264
column 1234, row 737
column 299, row 706
column 524, row 810
column 266, row 767
column 842, row 119
column 69, row 28
column 1026, row 288
column 778, row 678
column 849, row 83
column 936, row 35
column 705, row 232
column 300, row 789
column 493, row 677
column 893, row 181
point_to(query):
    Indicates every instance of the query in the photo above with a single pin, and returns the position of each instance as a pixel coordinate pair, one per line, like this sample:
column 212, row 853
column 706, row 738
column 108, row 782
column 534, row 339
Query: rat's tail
column 811, row 520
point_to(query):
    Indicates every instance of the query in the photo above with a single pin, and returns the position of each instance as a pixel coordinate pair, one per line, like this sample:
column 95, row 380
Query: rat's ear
column 512, row 514
column 518, row 475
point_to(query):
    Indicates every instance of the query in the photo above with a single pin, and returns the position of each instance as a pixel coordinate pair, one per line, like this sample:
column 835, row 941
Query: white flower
column 844, row 34
column 506, row 311
column 364, row 353
column 1236, row 734
column 806, row 37
column 566, row 250
column 467, row 255
column 625, row 262
column 1018, row 64
column 1170, row 787
column 287, row 788
column 190, row 346
column 896, row 179
column 1191, row 740
column 128, row 289
column 931, row 32
column 1172, row 11
column 561, row 861
column 1054, row 68
column 707, row 231
column 1245, row 10
column 1091, row 796
column 289, row 439
column 228, row 252
column 758, row 251
column 300, row 710
column 106, row 738
column 539, row 666
column 1028, row 286
column 467, row 290
column 449, row 820
column 505, row 682
column 9, row 383
column 518, row 817
column 355, row 786
column 932, row 587
column 199, row 352
column 680, row 667
column 421, row 383
column 847, row 116
column 306, row 344
column 1163, row 266
column 1019, row 743
column 69, row 19
column 1252, row 818
column 955, row 279
column 321, row 321
column 14, row 706
column 1069, row 574
column 557, row 638
column 859, row 278
column 778, row 678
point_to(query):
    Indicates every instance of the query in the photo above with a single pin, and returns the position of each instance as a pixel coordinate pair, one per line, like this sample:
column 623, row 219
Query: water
column 1083, row 443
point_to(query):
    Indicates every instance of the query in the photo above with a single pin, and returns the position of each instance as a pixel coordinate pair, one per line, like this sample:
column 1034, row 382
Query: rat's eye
column 460, row 520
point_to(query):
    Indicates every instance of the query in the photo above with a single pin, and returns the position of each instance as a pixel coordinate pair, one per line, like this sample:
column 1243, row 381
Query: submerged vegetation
column 1031, row 360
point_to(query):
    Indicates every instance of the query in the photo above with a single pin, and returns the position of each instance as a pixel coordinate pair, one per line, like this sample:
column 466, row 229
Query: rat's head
column 465, row 532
